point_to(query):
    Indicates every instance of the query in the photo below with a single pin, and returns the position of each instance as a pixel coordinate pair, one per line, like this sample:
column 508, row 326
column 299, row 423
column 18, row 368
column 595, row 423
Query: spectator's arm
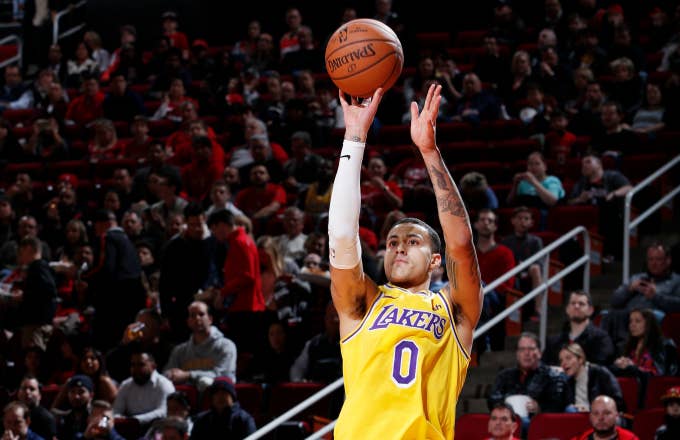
column 24, row 102
column 621, row 296
column 298, row 370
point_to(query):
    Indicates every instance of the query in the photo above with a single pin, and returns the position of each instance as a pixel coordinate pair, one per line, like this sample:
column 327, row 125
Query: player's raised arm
column 351, row 289
column 461, row 259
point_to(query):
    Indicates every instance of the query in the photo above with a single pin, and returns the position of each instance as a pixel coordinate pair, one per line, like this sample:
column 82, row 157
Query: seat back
column 647, row 421
column 561, row 426
column 472, row 426
column 630, row 389
column 656, row 387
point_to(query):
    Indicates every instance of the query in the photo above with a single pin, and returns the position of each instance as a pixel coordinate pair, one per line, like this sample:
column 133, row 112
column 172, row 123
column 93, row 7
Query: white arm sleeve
column 343, row 214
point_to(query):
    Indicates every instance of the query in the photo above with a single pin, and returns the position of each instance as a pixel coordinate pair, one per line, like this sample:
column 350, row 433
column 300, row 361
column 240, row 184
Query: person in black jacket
column 36, row 296
column 545, row 388
column 115, row 283
column 225, row 418
column 586, row 381
column 596, row 343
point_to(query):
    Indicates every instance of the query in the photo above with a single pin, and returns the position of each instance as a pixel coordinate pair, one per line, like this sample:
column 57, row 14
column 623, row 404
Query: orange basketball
column 362, row 55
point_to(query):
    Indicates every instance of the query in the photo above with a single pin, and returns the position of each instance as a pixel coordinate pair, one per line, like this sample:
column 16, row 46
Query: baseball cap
column 80, row 380
column 224, row 383
column 673, row 393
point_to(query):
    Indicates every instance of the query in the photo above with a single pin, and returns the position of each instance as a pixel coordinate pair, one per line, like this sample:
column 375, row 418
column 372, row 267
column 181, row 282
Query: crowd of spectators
column 163, row 209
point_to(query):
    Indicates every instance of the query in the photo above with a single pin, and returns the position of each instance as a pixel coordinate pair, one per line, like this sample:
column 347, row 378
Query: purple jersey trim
column 420, row 292
column 453, row 323
column 363, row 321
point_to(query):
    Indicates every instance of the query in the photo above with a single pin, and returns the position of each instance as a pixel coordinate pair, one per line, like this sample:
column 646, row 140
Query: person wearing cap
column 117, row 280
column 670, row 430
column 225, row 418
column 201, row 64
column 177, row 39
column 72, row 423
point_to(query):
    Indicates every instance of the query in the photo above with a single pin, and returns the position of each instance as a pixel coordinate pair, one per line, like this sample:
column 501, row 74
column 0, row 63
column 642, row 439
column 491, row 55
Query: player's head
column 412, row 252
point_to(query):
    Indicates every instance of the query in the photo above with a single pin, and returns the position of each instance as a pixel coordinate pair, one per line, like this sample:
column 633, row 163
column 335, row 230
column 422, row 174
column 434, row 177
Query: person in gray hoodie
column 206, row 355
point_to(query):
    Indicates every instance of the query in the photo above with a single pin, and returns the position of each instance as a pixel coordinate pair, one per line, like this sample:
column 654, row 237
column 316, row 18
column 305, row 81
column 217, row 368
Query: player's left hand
column 423, row 125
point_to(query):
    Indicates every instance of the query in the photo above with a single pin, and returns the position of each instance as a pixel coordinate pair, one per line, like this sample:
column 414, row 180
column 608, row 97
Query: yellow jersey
column 404, row 367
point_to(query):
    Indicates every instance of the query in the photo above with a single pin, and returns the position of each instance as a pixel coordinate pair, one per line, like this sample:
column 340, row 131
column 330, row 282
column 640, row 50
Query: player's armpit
column 352, row 291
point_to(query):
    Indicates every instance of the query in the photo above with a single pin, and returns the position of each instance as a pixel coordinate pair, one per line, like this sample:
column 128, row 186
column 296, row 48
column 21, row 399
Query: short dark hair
column 193, row 209
column 530, row 335
column 588, row 296
column 659, row 244
column 181, row 398
column 435, row 241
column 221, row 216
column 521, row 209
column 31, row 242
column 506, row 406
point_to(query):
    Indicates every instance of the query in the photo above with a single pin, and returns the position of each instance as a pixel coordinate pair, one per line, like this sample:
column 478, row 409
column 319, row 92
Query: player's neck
column 424, row 286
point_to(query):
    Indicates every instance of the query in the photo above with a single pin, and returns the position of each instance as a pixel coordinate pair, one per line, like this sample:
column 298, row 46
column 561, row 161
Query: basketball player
column 405, row 349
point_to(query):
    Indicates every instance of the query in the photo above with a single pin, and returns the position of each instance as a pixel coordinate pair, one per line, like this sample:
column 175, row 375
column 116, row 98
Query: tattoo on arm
column 451, row 272
column 356, row 139
column 450, row 201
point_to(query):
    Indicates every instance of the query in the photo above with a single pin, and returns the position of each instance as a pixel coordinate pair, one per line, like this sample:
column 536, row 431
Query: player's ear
column 436, row 261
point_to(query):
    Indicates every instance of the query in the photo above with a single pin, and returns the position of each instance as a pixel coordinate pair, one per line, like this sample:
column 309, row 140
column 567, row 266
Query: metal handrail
column 629, row 225
column 18, row 58
column 542, row 289
column 56, row 36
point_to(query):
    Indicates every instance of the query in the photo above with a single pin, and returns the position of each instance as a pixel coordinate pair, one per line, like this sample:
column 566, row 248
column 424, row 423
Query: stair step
column 478, row 405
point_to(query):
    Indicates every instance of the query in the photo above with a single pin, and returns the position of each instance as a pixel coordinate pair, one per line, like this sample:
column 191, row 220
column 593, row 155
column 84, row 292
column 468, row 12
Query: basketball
column 363, row 55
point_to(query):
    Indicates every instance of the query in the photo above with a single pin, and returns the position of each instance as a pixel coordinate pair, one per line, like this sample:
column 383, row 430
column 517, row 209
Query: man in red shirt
column 240, row 298
column 603, row 415
column 199, row 176
column 495, row 259
column 261, row 199
column 88, row 106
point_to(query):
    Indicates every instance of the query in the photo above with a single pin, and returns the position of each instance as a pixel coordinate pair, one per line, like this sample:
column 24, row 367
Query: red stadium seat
column 128, row 427
column 463, row 151
column 656, row 386
column 192, row 395
column 433, row 40
column 48, row 394
column 561, row 426
column 286, row 395
column 512, row 149
column 630, row 389
column 563, row 219
column 647, row 421
column 394, row 134
column 33, row 169
column 24, row 116
column 500, row 129
column 494, row 171
column 250, row 397
column 80, row 168
column 104, row 169
column 470, row 38
column 472, row 426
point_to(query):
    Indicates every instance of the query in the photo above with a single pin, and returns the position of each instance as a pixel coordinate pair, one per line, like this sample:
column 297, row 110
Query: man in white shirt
column 143, row 396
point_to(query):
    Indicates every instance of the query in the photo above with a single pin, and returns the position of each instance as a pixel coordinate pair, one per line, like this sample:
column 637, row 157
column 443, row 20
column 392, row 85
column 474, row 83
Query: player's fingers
column 374, row 100
column 414, row 111
column 428, row 98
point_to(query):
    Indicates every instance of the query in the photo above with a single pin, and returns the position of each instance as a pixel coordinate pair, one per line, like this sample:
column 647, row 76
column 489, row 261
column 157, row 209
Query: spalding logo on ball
column 363, row 55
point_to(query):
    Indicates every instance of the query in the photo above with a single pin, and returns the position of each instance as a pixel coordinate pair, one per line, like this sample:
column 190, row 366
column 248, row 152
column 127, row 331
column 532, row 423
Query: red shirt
column 375, row 197
column 180, row 142
column 242, row 274
column 251, row 199
column 198, row 178
column 496, row 262
column 621, row 434
column 178, row 40
column 132, row 150
column 84, row 109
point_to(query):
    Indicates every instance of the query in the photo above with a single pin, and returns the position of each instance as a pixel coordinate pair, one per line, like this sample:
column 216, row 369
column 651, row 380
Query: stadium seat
column 453, row 131
column 433, row 40
column 472, row 426
column 192, row 395
column 104, row 169
column 561, row 426
column 500, row 129
column 286, row 395
column 630, row 389
column 250, row 397
column 128, row 427
column 512, row 149
column 48, row 394
column 394, row 134
column 33, row 169
column 470, row 38
column 80, row 168
column 656, row 386
column 16, row 116
column 494, row 171
column 563, row 219
column 463, row 151
column 647, row 421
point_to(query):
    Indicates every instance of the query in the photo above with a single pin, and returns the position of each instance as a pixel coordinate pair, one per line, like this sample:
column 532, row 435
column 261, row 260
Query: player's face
column 501, row 424
column 408, row 258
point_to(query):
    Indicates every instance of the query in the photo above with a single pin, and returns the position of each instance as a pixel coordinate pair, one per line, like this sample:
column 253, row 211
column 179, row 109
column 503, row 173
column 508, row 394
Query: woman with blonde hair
column 585, row 381
column 276, row 270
